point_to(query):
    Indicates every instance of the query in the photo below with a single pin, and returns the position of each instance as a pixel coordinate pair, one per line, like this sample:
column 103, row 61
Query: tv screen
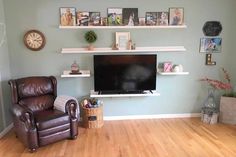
column 124, row 73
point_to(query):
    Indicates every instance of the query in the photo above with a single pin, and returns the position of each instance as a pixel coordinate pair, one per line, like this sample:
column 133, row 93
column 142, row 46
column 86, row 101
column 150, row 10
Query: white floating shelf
column 173, row 73
column 137, row 50
column 94, row 94
column 85, row 73
column 122, row 27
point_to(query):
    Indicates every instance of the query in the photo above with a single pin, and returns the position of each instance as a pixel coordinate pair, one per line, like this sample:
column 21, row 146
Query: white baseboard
column 158, row 116
column 6, row 130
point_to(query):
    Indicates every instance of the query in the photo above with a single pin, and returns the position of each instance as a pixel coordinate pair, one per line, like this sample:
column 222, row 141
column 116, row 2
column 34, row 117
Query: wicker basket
column 92, row 117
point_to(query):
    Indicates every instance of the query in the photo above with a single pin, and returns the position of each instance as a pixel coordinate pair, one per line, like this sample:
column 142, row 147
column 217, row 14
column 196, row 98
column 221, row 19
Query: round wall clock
column 34, row 40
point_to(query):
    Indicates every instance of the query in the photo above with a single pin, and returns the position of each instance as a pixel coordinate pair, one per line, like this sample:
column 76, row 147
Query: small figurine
column 115, row 47
column 133, row 47
column 130, row 44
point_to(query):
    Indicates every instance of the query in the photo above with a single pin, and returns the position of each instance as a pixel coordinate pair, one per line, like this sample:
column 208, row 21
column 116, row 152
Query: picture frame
column 94, row 18
column 122, row 39
column 67, row 16
column 210, row 45
column 130, row 16
column 114, row 16
column 176, row 16
column 82, row 18
column 163, row 18
column 151, row 18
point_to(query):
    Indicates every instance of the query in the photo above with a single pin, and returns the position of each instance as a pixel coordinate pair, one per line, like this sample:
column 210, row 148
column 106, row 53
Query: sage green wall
column 179, row 94
column 5, row 118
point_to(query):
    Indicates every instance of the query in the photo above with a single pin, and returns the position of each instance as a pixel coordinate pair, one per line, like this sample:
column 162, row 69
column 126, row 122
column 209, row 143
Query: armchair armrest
column 25, row 115
column 71, row 108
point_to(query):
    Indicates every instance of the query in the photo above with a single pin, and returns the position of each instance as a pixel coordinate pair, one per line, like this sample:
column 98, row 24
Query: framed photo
column 67, row 16
column 103, row 21
column 82, row 18
column 151, row 18
column 162, row 18
column 122, row 39
column 130, row 16
column 210, row 45
column 114, row 16
column 176, row 16
column 94, row 18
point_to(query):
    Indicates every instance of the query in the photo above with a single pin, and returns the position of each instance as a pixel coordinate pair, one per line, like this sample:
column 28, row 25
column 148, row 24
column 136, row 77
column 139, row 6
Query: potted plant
column 227, row 100
column 90, row 37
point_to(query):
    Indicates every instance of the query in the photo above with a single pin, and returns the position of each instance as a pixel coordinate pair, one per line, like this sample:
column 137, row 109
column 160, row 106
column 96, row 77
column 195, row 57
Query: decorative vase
column 209, row 110
column 227, row 110
column 90, row 47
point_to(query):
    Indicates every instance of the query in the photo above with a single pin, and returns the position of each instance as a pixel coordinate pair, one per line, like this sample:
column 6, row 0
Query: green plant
column 90, row 36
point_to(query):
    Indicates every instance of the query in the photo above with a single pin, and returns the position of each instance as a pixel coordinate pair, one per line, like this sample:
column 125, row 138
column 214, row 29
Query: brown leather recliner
column 36, row 122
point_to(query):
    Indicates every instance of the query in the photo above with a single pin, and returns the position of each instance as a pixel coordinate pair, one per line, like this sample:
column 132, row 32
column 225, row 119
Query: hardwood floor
column 187, row 137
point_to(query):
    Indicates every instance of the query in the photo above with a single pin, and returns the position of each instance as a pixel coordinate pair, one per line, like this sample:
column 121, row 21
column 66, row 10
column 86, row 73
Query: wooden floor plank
column 184, row 137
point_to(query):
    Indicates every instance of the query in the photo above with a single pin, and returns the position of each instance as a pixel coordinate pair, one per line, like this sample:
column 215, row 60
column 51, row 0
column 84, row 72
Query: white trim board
column 158, row 116
column 6, row 130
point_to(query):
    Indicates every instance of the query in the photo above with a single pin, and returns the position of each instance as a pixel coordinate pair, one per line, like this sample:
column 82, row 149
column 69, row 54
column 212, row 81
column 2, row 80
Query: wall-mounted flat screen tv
column 124, row 73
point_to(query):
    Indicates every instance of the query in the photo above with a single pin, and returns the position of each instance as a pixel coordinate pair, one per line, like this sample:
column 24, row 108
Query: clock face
column 34, row 40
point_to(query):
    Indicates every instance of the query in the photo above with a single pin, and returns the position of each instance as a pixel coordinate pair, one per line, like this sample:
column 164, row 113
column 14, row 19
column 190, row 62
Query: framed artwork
column 122, row 39
column 114, row 16
column 130, row 16
column 210, row 45
column 151, row 18
column 103, row 21
column 67, row 16
column 94, row 18
column 167, row 66
column 82, row 18
column 162, row 18
column 176, row 16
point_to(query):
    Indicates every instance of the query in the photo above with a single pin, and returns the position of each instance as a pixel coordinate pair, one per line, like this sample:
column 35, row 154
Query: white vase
column 227, row 110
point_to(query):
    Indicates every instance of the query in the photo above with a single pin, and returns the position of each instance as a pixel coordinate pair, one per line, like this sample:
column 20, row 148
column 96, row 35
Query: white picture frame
column 122, row 39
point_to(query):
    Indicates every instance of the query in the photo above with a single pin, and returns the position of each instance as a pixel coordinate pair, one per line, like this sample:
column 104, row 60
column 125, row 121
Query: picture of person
column 114, row 16
column 67, row 16
column 162, row 18
column 210, row 45
column 176, row 16
column 82, row 18
column 131, row 19
column 130, row 16
column 151, row 18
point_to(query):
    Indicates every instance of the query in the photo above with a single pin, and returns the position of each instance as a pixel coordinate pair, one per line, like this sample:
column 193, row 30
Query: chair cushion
column 50, row 118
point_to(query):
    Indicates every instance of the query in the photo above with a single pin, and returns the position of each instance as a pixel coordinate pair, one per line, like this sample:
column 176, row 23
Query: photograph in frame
column 82, row 18
column 67, row 16
column 163, row 18
column 130, row 16
column 176, row 16
column 114, row 16
column 94, row 18
column 122, row 39
column 210, row 45
column 141, row 21
column 151, row 18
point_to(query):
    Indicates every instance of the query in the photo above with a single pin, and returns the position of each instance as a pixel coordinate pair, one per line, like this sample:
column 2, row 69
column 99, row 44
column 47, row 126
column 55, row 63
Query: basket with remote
column 92, row 113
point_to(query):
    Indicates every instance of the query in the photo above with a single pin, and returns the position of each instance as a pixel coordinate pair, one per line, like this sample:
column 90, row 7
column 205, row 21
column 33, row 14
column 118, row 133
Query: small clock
column 34, row 40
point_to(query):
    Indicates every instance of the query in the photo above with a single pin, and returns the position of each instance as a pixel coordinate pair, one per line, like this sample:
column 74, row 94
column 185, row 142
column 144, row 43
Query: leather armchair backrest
column 37, row 93
column 34, row 86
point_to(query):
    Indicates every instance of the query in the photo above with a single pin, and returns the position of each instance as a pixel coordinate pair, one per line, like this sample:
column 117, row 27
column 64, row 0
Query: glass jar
column 209, row 105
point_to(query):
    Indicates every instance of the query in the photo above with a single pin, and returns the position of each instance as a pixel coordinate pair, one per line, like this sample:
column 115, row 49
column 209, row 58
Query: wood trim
column 6, row 130
column 158, row 116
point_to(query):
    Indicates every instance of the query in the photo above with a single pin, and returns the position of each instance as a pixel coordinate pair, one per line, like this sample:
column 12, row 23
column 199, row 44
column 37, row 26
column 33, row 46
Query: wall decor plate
column 212, row 28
